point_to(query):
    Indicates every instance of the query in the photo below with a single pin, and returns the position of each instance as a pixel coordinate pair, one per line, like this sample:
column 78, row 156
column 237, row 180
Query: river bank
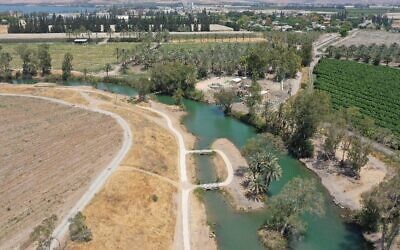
column 346, row 191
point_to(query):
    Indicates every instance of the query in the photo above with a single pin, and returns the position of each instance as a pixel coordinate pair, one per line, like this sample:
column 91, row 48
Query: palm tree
column 272, row 171
column 264, row 167
column 258, row 187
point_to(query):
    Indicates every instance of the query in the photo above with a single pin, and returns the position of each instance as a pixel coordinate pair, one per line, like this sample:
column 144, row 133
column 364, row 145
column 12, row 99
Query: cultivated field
column 368, row 37
column 90, row 56
column 375, row 90
column 49, row 154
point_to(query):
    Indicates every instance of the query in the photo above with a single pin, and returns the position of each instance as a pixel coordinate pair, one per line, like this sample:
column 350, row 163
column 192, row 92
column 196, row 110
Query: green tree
column 264, row 169
column 5, row 61
column 301, row 117
column 78, row 230
column 254, row 97
column 178, row 97
column 285, row 209
column 44, row 59
column 67, row 66
column 29, row 60
column 381, row 211
column 225, row 98
column 306, row 53
column 143, row 87
column 169, row 77
column 107, row 68
column 334, row 134
column 358, row 154
column 41, row 234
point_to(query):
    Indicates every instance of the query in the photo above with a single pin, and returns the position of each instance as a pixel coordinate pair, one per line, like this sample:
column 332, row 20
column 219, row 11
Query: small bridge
column 210, row 186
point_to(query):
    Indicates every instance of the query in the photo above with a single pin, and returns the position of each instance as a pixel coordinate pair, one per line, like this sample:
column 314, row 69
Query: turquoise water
column 238, row 230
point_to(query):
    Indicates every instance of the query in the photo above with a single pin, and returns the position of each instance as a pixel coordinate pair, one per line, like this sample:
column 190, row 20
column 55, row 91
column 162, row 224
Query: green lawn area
column 93, row 57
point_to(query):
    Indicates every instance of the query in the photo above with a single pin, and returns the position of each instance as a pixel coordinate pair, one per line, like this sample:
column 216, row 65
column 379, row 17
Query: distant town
column 199, row 17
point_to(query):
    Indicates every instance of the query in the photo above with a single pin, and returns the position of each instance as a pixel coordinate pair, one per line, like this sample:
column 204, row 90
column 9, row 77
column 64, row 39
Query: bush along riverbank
column 341, row 160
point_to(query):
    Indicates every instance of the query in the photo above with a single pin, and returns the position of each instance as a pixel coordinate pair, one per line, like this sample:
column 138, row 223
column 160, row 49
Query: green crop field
column 93, row 57
column 375, row 90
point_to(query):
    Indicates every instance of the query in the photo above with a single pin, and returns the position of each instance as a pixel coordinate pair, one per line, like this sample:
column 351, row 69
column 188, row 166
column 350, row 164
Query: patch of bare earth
column 135, row 209
column 49, row 155
column 368, row 37
column 346, row 190
column 235, row 191
column 67, row 95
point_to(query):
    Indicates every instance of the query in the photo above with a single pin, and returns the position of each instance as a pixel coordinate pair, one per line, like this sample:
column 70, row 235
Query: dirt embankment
column 49, row 155
column 346, row 191
column 236, row 191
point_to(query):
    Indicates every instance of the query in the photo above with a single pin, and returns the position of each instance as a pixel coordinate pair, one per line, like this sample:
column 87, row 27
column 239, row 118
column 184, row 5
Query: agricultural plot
column 368, row 37
column 375, row 90
column 92, row 57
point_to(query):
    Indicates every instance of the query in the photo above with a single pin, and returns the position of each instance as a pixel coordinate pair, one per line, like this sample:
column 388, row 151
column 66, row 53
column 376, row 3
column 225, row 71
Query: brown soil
column 220, row 167
column 235, row 191
column 202, row 237
column 50, row 155
column 345, row 190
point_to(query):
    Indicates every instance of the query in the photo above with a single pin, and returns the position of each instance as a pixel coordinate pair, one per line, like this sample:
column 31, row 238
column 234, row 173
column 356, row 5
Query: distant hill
column 74, row 2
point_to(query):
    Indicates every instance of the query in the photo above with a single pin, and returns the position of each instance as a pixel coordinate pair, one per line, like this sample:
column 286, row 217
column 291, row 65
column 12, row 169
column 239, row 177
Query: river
column 238, row 230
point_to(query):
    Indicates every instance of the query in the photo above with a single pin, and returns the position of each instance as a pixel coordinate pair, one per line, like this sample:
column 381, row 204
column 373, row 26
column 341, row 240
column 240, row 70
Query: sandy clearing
column 346, row 191
column 50, row 160
column 235, row 190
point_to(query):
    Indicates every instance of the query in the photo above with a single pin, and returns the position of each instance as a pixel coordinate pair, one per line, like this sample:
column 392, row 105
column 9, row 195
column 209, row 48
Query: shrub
column 78, row 230
column 272, row 240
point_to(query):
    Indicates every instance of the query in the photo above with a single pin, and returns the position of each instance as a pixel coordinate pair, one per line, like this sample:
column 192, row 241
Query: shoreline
column 345, row 191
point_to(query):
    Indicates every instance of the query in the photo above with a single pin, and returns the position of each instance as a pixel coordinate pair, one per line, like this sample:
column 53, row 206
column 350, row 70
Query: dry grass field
column 136, row 210
column 49, row 155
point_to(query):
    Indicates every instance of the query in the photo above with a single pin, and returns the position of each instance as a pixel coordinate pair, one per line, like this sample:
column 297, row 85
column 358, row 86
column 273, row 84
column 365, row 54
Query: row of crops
column 375, row 90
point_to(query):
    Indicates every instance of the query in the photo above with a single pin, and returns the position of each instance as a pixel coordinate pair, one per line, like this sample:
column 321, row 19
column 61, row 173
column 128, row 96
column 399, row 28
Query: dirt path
column 186, row 186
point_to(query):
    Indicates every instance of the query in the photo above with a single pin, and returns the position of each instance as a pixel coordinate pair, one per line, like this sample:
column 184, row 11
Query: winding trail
column 186, row 186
